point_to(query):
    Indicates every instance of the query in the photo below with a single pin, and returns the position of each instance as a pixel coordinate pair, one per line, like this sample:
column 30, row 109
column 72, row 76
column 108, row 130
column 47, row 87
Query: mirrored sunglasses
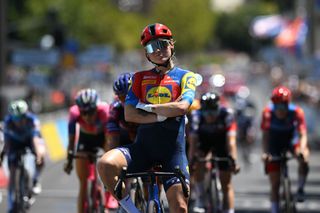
column 155, row 45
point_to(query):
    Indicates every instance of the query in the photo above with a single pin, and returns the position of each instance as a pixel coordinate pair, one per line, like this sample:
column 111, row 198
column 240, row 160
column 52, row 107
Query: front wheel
column 214, row 195
column 288, row 203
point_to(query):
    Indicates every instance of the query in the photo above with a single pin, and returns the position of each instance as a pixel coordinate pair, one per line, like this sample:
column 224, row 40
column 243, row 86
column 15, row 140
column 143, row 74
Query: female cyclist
column 92, row 117
column 158, row 100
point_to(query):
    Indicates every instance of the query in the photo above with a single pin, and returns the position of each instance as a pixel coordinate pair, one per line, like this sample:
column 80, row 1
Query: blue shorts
column 158, row 144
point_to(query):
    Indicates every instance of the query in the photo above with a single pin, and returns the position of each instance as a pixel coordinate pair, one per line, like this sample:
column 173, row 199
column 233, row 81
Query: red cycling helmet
column 281, row 94
column 154, row 31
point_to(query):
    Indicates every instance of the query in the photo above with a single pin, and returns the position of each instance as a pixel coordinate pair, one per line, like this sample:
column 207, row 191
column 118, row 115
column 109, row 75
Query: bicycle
column 22, row 185
column 214, row 191
column 94, row 202
column 287, row 201
column 153, row 204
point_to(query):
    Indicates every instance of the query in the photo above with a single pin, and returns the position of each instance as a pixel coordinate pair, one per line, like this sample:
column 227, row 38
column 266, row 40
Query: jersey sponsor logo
column 191, row 83
column 144, row 82
column 149, row 77
column 159, row 95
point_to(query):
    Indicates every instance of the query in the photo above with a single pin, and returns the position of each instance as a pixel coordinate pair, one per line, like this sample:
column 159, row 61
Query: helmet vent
column 152, row 29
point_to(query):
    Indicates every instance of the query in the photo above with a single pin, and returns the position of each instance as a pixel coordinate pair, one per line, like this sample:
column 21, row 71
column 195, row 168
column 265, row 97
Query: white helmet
column 18, row 107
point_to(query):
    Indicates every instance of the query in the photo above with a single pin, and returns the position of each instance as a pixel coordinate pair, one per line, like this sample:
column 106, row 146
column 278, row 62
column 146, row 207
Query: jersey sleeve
column 134, row 91
column 113, row 120
column 36, row 127
column 301, row 122
column 266, row 119
column 188, row 87
column 73, row 117
column 230, row 122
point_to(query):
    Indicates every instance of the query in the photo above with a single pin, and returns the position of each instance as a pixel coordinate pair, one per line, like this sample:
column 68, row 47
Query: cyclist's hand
column 234, row 166
column 266, row 157
column 67, row 167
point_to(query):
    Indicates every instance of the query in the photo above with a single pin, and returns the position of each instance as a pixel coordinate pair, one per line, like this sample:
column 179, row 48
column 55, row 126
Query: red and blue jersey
column 160, row 142
column 116, row 122
column 153, row 88
column 283, row 131
column 95, row 128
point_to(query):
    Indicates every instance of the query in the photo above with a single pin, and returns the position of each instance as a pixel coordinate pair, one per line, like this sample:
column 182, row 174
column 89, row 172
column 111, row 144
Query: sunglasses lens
column 156, row 45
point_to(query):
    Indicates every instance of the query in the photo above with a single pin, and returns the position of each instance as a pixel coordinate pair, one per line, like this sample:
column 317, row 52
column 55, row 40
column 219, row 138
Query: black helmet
column 210, row 101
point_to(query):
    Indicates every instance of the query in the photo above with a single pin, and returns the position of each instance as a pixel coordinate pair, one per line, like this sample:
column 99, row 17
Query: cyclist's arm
column 138, row 116
column 265, row 126
column 302, row 130
column 231, row 140
column 113, row 140
column 71, row 136
column 172, row 109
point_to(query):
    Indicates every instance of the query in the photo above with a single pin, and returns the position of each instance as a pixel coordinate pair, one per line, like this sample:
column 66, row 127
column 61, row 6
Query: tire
column 139, row 199
column 100, row 207
column 153, row 207
column 214, row 195
column 18, row 197
column 88, row 205
column 288, row 205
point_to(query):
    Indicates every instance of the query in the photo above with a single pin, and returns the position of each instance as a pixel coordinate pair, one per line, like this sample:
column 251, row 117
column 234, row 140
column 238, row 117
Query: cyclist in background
column 91, row 115
column 213, row 131
column 120, row 132
column 22, row 132
column 245, row 111
column 284, row 129
column 158, row 100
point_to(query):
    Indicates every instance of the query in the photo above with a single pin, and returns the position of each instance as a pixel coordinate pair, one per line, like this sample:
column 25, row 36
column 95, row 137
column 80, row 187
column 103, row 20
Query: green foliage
column 194, row 25
column 233, row 29
column 191, row 21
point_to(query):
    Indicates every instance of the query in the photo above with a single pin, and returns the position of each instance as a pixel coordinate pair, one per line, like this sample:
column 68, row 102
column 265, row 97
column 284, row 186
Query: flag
column 267, row 26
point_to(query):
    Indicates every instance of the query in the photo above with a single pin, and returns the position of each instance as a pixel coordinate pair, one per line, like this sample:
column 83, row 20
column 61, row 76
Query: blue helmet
column 87, row 99
column 122, row 83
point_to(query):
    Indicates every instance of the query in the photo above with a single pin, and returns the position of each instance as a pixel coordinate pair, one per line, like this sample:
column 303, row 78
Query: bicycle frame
column 214, row 204
column 153, row 203
column 288, row 203
column 22, row 187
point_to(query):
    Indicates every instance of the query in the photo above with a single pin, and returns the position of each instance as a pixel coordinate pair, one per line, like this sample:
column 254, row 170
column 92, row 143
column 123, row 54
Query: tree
column 192, row 22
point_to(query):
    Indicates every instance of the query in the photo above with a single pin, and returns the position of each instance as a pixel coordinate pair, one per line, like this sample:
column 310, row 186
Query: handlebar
column 124, row 175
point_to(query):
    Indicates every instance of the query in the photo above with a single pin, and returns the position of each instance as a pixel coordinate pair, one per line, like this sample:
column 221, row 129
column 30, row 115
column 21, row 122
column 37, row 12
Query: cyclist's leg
column 177, row 202
column 303, row 170
column 110, row 201
column 81, row 165
column 199, row 170
column 109, row 167
column 39, row 165
column 274, row 178
column 11, row 185
column 227, row 190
